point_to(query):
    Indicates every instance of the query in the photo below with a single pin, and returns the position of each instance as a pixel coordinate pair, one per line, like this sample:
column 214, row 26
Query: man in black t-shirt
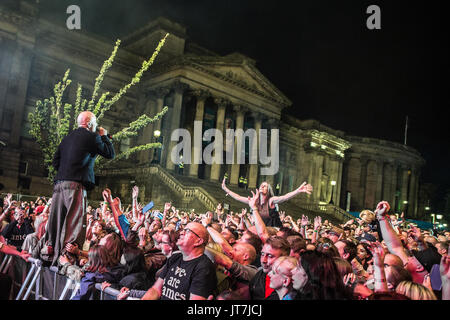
column 188, row 275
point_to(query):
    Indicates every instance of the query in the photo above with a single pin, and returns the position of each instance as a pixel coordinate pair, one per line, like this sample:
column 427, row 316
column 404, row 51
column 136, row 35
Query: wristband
column 208, row 225
column 254, row 209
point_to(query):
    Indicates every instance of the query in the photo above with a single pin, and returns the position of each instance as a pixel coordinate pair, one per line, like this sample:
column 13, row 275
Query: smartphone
column 157, row 214
column 148, row 207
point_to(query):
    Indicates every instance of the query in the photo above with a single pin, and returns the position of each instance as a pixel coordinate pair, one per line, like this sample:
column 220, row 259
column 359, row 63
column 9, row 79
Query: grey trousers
column 66, row 222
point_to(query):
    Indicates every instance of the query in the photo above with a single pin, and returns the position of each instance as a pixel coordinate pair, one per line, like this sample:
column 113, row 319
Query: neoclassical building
column 225, row 92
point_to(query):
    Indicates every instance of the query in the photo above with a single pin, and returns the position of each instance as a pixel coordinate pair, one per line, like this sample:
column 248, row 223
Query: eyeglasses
column 189, row 230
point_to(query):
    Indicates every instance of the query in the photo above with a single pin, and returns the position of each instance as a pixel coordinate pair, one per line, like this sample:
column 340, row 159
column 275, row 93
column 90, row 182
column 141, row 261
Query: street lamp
column 156, row 152
column 439, row 216
column 433, row 216
column 333, row 183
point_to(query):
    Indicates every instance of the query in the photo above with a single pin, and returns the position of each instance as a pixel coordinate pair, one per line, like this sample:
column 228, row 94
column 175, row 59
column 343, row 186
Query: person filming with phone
column 74, row 161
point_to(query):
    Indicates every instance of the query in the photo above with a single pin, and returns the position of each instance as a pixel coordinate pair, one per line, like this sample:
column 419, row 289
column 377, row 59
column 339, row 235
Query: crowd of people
column 257, row 253
column 171, row 254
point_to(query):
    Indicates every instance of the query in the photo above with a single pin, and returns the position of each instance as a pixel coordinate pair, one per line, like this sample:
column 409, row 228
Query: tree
column 52, row 119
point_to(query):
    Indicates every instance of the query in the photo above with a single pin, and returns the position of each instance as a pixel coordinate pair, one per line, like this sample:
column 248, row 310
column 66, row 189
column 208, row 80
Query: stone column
column 273, row 124
column 220, row 124
column 201, row 95
column 317, row 176
column 412, row 194
column 334, row 176
column 18, row 86
column 235, row 168
column 160, row 93
column 404, row 187
column 393, row 186
column 253, row 175
column 179, row 88
column 387, row 183
column 6, row 58
column 363, row 182
column 147, row 133
column 416, row 195
column 379, row 182
column 339, row 182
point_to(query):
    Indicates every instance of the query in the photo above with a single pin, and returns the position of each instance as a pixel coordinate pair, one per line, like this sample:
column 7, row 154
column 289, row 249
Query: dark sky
column 321, row 55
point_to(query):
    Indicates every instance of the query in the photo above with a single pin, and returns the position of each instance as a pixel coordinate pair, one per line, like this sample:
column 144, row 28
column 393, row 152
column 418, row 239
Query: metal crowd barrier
column 110, row 291
column 35, row 279
column 38, row 274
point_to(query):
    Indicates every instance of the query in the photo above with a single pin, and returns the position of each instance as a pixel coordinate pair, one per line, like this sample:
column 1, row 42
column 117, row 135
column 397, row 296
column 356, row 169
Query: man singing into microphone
column 74, row 160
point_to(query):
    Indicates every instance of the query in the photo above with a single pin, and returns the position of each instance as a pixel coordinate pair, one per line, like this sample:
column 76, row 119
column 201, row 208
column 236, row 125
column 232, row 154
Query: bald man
column 188, row 275
column 74, row 160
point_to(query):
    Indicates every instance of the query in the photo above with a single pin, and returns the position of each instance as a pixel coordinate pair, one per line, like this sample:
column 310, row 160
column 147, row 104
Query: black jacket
column 76, row 154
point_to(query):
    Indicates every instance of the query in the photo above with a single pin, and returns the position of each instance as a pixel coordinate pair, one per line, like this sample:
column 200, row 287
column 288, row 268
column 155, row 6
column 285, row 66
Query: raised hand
column 382, row 208
column 167, row 206
column 206, row 219
column 317, row 222
column 427, row 282
column 107, row 195
column 142, row 234
column 135, row 192
column 305, row 188
column 378, row 254
column 252, row 201
column 349, row 279
column 304, row 221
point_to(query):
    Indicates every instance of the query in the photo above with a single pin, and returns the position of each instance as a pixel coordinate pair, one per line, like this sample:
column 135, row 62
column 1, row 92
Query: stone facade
column 197, row 85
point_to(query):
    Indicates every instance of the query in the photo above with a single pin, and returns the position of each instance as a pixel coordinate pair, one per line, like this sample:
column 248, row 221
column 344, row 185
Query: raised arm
column 217, row 237
column 259, row 223
column 390, row 237
column 114, row 204
column 219, row 258
column 378, row 267
column 235, row 196
column 135, row 193
column 307, row 188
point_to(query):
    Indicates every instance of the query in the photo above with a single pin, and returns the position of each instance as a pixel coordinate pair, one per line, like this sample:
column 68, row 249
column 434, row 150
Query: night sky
column 321, row 55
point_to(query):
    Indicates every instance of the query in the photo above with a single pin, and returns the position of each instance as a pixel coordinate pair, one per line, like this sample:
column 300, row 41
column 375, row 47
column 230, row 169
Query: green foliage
column 51, row 120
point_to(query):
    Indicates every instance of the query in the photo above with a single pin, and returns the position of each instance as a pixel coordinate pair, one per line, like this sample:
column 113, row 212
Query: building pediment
column 241, row 71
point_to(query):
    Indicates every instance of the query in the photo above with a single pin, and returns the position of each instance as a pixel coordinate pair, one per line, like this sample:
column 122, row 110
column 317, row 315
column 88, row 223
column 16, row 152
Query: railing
column 23, row 197
column 330, row 209
column 176, row 186
column 188, row 192
column 35, row 278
